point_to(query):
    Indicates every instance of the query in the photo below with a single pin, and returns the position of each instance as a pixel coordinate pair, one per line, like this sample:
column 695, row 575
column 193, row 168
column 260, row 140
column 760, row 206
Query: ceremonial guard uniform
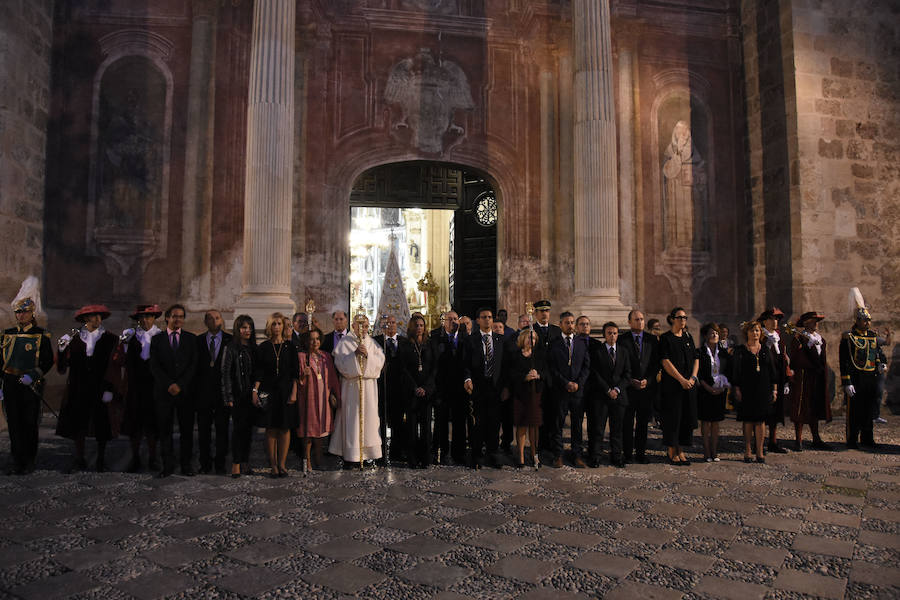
column 140, row 408
column 27, row 353
column 809, row 394
column 91, row 385
column 859, row 377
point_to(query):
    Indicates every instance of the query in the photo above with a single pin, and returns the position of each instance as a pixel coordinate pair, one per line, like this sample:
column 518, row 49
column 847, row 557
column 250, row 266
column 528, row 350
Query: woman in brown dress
column 527, row 372
column 319, row 394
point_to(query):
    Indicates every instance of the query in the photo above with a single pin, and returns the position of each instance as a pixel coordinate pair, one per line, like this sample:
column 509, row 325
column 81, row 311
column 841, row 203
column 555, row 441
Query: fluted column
column 627, row 221
column 265, row 285
column 596, row 193
column 196, row 206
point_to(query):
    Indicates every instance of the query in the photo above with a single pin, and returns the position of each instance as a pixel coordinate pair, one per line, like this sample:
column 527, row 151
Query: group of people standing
column 457, row 394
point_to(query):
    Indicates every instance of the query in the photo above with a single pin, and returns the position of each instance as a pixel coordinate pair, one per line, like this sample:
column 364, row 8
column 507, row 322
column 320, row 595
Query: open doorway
column 438, row 218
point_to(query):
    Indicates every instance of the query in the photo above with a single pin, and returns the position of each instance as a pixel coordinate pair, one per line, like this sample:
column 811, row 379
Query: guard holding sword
column 27, row 353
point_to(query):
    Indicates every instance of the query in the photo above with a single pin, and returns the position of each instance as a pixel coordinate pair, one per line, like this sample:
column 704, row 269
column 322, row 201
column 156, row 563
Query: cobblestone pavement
column 810, row 524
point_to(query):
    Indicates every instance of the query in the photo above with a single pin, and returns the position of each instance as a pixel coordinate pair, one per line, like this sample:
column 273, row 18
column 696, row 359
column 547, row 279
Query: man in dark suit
column 569, row 371
column 299, row 326
column 610, row 377
column 547, row 333
column 330, row 340
column 643, row 359
column 173, row 362
column 390, row 390
column 207, row 393
column 452, row 404
column 483, row 380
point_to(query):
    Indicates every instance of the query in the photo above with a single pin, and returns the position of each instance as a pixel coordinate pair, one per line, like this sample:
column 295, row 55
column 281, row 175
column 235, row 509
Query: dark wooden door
column 475, row 249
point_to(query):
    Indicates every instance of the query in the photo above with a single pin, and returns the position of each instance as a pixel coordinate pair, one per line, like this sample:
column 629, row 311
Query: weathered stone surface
column 345, row 578
column 629, row 590
column 158, row 584
column 729, row 589
column 808, row 583
column 522, row 568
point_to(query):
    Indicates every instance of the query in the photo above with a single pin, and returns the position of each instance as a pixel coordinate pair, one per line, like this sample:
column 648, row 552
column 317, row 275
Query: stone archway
column 462, row 205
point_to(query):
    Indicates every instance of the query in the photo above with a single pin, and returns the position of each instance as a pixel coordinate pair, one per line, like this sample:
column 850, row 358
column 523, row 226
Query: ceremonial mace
column 361, row 361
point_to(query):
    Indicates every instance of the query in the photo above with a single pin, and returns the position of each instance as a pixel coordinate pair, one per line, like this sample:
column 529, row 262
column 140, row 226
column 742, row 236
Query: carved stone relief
column 681, row 130
column 428, row 94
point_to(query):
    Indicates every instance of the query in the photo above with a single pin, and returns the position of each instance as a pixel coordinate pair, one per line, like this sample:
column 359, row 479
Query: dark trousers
column 506, row 423
column 391, row 411
column 242, row 434
column 441, row 432
column 612, row 411
column 23, row 413
column 860, row 408
column 213, row 414
column 167, row 407
column 573, row 406
column 634, row 428
column 462, row 420
column 486, row 433
column 418, row 432
column 679, row 417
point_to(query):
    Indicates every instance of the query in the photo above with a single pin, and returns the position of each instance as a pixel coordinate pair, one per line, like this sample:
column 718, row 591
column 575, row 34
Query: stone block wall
column 25, row 45
column 848, row 159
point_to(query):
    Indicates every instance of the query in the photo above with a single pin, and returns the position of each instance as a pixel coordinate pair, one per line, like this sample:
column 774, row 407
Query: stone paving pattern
column 811, row 524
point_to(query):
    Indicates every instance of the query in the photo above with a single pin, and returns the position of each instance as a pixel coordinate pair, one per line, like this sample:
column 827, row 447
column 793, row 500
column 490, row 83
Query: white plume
column 31, row 288
column 855, row 300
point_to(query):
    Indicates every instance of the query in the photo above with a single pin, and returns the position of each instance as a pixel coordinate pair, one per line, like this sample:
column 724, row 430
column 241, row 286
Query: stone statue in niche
column 130, row 155
column 684, row 192
column 428, row 93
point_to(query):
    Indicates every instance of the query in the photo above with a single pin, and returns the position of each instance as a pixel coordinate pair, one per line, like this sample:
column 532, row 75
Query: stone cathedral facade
column 722, row 155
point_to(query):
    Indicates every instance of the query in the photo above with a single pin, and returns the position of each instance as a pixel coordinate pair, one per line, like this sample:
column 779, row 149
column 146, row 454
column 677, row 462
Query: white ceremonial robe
column 345, row 441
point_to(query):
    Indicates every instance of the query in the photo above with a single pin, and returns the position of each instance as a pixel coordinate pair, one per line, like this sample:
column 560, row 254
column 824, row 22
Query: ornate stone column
column 596, row 193
column 196, row 208
column 265, row 285
column 627, row 221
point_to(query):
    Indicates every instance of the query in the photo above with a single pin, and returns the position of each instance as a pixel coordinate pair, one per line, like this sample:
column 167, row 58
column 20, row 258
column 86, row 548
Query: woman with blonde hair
column 275, row 390
column 755, row 387
column 528, row 373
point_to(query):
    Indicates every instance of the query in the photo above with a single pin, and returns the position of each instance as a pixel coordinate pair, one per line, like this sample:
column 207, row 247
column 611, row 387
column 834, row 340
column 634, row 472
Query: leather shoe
column 187, row 472
column 776, row 449
column 579, row 463
column 619, row 463
column 557, row 462
column 163, row 474
column 820, row 445
column 641, row 460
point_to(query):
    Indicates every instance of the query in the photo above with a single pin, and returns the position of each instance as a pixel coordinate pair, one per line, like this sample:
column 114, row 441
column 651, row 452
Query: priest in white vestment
column 359, row 363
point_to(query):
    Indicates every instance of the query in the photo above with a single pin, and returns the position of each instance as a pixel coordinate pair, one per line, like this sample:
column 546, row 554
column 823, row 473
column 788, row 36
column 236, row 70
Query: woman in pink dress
column 320, row 393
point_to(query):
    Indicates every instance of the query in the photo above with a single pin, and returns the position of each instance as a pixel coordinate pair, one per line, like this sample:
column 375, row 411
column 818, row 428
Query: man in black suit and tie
column 211, row 410
column 390, row 391
column 547, row 333
column 569, row 371
column 451, row 406
column 643, row 358
column 483, row 380
column 611, row 375
column 330, row 340
column 299, row 326
column 173, row 362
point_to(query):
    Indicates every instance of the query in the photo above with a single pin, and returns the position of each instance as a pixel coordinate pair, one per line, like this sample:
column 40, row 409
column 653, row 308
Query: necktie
column 174, row 340
column 612, row 355
column 569, row 349
column 212, row 350
column 391, row 346
column 338, row 335
column 488, row 355
column 637, row 341
column 453, row 341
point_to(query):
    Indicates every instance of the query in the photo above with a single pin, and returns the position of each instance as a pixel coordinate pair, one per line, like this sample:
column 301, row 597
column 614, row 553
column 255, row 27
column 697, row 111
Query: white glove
column 64, row 341
column 127, row 335
column 849, row 390
column 787, row 389
column 26, row 379
column 882, row 368
column 107, row 397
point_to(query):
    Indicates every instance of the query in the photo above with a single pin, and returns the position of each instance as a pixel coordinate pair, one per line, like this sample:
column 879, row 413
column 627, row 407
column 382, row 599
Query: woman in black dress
column 755, row 388
column 275, row 391
column 714, row 384
column 678, row 356
column 528, row 371
column 238, row 371
column 417, row 363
